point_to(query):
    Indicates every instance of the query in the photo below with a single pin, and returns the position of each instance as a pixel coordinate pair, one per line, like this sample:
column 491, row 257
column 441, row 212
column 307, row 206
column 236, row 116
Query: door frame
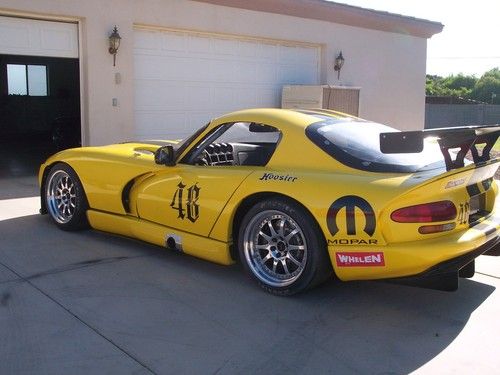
column 84, row 125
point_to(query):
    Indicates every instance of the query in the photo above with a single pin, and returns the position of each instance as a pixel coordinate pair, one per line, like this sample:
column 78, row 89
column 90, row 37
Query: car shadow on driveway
column 96, row 302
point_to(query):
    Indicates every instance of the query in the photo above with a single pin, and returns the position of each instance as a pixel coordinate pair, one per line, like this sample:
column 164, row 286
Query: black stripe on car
column 473, row 190
column 487, row 183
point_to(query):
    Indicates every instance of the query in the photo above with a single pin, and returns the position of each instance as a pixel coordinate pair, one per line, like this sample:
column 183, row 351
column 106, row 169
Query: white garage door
column 184, row 79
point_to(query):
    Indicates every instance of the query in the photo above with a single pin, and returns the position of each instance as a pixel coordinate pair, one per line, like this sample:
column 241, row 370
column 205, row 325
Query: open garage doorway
column 39, row 99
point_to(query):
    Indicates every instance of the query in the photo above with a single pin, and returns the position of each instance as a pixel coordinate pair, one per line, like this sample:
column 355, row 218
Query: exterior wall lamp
column 114, row 43
column 339, row 62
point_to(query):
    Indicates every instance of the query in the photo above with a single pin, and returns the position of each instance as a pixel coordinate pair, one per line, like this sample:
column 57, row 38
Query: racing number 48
column 186, row 207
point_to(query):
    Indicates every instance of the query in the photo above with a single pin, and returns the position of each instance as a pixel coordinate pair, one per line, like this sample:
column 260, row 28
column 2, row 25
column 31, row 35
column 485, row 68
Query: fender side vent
column 126, row 195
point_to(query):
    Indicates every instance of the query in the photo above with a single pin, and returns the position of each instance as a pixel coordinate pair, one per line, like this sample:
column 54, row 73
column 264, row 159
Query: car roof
column 286, row 119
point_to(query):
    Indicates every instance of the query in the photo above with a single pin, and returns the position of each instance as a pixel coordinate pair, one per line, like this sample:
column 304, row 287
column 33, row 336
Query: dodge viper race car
column 297, row 196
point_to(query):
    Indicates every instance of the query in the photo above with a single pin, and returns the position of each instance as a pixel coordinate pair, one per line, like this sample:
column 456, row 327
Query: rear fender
column 457, row 186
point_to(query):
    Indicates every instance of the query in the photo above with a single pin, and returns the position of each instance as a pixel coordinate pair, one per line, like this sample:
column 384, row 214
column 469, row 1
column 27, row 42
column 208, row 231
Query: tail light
column 426, row 213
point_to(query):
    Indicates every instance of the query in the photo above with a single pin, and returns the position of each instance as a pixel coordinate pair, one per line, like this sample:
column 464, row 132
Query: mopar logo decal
column 190, row 205
column 350, row 203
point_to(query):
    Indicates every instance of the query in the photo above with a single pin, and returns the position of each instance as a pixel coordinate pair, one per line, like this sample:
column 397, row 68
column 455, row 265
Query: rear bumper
column 445, row 275
column 441, row 255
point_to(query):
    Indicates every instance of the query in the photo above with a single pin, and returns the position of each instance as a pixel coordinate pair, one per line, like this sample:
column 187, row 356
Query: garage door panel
column 159, row 44
column 173, row 42
column 197, row 70
column 307, row 56
column 201, row 45
column 195, row 120
column 164, row 67
column 225, row 47
column 305, row 74
column 246, row 73
column 200, row 97
column 222, row 72
column 154, row 94
column 204, row 76
column 288, row 74
column 288, row 54
column 147, row 42
column 11, row 35
column 162, row 124
column 38, row 38
column 225, row 98
column 267, row 53
column 266, row 73
column 246, row 98
column 247, row 49
column 268, row 98
column 56, row 39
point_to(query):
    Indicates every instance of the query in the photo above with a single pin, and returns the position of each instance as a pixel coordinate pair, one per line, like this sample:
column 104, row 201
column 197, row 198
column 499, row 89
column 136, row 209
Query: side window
column 240, row 143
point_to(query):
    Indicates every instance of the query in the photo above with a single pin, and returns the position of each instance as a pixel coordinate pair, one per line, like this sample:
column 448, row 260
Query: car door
column 189, row 197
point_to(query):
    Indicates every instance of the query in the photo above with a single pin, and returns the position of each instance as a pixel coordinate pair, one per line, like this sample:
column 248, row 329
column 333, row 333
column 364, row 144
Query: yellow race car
column 297, row 196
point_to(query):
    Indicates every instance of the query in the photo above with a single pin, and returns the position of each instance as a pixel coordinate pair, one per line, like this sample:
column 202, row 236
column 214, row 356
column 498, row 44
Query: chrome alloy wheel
column 275, row 248
column 61, row 197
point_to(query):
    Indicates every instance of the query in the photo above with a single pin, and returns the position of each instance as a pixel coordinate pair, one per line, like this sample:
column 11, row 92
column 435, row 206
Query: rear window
column 356, row 144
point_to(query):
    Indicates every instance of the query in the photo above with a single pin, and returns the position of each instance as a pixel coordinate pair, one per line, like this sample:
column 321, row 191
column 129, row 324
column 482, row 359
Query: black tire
column 282, row 248
column 65, row 198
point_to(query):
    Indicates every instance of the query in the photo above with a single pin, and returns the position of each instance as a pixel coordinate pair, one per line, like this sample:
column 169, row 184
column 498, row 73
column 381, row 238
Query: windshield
column 357, row 145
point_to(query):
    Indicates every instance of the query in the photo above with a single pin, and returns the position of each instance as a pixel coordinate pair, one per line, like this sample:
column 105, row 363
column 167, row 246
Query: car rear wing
column 466, row 138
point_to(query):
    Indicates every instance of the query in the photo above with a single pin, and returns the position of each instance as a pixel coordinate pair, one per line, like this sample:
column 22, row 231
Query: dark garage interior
column 39, row 111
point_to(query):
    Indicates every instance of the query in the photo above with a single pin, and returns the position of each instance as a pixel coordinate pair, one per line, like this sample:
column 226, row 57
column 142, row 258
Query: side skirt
column 129, row 226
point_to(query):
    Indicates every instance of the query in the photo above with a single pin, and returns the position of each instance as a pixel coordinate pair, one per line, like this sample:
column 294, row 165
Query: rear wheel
column 282, row 247
column 65, row 198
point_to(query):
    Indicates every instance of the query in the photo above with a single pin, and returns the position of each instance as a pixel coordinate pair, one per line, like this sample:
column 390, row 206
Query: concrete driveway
column 89, row 302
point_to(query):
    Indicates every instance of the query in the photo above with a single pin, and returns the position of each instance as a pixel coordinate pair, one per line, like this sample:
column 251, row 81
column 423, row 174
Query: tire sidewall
column 79, row 218
column 315, row 245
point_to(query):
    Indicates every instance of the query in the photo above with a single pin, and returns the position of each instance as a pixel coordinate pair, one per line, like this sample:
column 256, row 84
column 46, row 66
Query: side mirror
column 165, row 155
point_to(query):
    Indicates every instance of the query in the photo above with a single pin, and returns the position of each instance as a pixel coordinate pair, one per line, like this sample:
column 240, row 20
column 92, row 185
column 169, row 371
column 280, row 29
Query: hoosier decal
column 360, row 259
column 277, row 177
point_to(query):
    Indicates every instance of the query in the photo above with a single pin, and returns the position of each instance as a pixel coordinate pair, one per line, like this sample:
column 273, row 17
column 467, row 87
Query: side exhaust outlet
column 173, row 242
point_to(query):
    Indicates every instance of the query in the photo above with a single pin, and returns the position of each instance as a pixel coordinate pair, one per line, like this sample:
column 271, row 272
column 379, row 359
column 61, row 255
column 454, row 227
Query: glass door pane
column 16, row 79
column 37, row 80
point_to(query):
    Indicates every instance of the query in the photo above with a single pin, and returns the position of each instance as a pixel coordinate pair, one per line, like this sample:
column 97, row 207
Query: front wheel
column 65, row 198
column 282, row 247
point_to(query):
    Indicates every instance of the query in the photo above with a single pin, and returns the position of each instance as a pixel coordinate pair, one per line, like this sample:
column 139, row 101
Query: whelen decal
column 350, row 203
column 186, row 207
column 360, row 259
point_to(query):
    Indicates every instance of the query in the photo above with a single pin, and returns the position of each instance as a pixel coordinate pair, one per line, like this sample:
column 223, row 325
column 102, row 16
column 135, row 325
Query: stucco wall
column 389, row 67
